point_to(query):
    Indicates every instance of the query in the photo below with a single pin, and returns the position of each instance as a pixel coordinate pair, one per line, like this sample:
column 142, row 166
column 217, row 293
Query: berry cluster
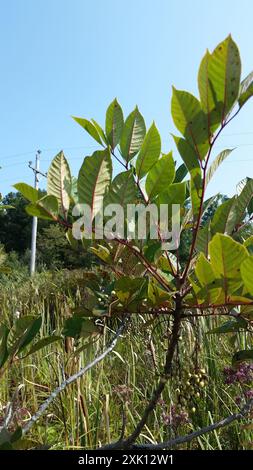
column 191, row 386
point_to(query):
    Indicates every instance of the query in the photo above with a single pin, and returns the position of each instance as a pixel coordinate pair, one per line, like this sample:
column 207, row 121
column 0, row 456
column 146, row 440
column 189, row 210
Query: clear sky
column 72, row 57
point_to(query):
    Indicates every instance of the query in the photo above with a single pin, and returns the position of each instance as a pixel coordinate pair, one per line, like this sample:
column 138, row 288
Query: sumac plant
column 216, row 279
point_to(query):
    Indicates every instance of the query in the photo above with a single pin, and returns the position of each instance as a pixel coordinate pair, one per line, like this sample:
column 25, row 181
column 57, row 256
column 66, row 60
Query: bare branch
column 243, row 412
column 189, row 437
column 10, row 409
column 163, row 379
column 73, row 378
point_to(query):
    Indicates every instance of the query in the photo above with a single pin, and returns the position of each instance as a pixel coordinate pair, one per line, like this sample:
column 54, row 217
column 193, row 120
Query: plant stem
column 163, row 380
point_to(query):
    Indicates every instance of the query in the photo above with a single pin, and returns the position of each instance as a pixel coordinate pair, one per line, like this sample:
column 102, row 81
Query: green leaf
column 190, row 120
column 181, row 173
column 102, row 253
column 203, row 239
column 74, row 193
column 246, row 90
column 78, row 327
column 114, row 123
column 42, row 343
column 204, row 270
column 208, row 280
column 226, row 257
column 216, row 163
column 23, row 332
column 123, row 189
column 29, row 193
column 247, row 274
column 196, row 190
column 72, row 241
column 59, row 182
column 4, row 331
column 207, row 97
column 49, row 204
column 90, row 128
column 133, row 135
column 243, row 355
column 45, row 208
column 187, row 153
column 94, row 179
column 6, row 206
column 151, row 249
column 224, row 218
column 156, row 295
column 190, row 159
column 129, row 289
column 36, row 211
column 230, row 326
column 175, row 194
column 249, row 244
column 160, row 176
column 100, row 131
column 219, row 85
column 149, row 152
column 244, row 199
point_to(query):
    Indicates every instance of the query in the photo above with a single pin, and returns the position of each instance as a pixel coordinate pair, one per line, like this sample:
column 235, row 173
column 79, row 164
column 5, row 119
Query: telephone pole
column 35, row 219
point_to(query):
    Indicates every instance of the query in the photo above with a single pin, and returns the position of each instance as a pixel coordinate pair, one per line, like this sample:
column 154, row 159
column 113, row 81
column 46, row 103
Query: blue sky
column 72, row 57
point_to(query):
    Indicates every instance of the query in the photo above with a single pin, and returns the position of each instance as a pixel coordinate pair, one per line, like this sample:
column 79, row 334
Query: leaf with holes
column 219, row 81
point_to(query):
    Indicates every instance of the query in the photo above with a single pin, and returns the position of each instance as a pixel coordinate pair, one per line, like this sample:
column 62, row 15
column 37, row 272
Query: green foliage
column 218, row 275
column 94, row 179
column 219, row 81
column 133, row 134
column 211, row 275
column 114, row 123
column 59, row 185
column 149, row 152
column 29, row 193
column 160, row 176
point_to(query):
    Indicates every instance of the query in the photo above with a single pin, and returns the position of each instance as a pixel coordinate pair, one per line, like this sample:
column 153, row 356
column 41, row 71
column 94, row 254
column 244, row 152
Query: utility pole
column 35, row 219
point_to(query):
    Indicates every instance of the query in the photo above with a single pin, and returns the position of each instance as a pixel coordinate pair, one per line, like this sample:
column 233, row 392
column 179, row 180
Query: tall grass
column 91, row 411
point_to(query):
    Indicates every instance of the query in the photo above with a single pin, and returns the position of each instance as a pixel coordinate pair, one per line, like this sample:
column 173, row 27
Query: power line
column 17, row 155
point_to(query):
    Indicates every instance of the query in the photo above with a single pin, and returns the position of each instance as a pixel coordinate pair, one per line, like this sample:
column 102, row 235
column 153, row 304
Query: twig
column 189, row 437
column 10, row 409
column 163, row 380
column 73, row 378
column 196, row 229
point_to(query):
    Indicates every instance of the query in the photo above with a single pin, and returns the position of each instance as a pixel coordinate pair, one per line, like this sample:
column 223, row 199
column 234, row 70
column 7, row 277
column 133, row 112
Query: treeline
column 53, row 249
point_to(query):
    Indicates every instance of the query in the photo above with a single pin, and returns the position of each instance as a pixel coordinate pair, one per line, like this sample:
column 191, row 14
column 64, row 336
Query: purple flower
column 242, row 374
column 175, row 417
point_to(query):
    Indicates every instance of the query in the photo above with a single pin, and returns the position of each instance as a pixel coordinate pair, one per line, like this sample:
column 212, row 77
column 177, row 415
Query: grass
column 90, row 412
